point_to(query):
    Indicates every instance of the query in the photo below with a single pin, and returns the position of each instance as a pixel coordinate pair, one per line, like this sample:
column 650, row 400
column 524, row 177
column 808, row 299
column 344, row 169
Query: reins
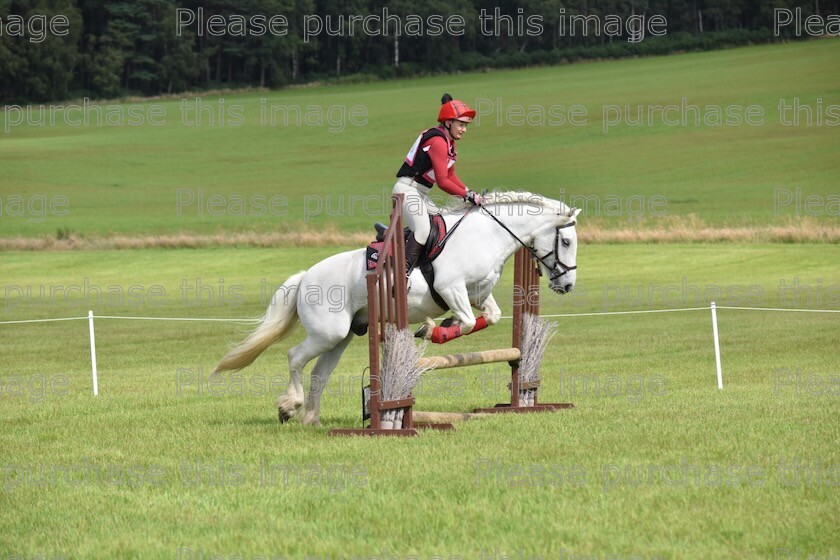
column 458, row 223
column 556, row 252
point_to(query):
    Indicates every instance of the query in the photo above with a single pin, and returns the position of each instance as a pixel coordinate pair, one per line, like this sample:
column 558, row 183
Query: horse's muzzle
column 562, row 288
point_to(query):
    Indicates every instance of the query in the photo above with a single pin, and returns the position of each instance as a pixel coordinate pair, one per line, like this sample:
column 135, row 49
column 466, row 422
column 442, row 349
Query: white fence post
column 717, row 346
column 93, row 354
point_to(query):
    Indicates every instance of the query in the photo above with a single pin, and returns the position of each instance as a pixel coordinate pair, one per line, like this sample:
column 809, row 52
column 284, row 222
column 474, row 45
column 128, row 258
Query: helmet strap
column 448, row 126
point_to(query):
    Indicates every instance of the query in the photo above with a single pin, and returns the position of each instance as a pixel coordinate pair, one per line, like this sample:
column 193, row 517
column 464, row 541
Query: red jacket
column 431, row 160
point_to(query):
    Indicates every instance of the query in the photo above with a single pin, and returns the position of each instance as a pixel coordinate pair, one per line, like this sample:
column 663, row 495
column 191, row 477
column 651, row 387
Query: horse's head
column 544, row 225
column 556, row 245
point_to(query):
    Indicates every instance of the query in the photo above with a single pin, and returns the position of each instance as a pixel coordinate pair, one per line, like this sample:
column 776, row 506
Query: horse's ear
column 575, row 212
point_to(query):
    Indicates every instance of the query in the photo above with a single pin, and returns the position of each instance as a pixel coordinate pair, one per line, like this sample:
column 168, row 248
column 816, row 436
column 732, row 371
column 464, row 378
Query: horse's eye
column 566, row 243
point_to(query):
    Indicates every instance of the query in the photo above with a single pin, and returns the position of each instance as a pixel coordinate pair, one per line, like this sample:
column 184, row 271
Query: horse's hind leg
column 320, row 375
column 300, row 355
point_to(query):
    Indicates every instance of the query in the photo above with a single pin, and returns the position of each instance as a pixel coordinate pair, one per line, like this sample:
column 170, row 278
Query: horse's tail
column 278, row 322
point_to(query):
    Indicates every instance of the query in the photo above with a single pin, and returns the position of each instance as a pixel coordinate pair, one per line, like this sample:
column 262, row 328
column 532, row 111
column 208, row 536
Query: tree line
column 109, row 49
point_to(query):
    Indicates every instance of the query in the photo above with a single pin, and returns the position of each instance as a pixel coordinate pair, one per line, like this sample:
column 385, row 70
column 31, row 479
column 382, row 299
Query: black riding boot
column 413, row 250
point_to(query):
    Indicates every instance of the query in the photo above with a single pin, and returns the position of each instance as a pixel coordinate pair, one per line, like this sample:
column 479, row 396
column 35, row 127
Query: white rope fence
column 712, row 307
column 90, row 317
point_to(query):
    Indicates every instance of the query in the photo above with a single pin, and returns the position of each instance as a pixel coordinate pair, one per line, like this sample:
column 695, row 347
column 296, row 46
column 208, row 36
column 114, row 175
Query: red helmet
column 454, row 109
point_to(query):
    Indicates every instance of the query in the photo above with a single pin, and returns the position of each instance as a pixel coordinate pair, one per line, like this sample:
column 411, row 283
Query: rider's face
column 457, row 129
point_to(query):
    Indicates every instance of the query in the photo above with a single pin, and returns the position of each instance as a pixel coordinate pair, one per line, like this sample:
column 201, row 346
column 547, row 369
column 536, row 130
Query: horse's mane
column 513, row 197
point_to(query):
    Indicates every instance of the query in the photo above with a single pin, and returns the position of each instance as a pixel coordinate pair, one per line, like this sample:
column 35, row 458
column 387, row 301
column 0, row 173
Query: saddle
column 434, row 247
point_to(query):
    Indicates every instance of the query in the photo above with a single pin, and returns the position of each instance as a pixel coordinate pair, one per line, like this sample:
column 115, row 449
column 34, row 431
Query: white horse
column 465, row 274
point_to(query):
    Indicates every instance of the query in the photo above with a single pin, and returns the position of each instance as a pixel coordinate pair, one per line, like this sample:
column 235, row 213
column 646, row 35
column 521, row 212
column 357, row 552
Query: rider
column 432, row 160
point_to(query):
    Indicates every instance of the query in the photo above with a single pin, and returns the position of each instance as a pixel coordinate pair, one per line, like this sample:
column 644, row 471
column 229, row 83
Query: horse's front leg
column 490, row 311
column 463, row 321
column 490, row 315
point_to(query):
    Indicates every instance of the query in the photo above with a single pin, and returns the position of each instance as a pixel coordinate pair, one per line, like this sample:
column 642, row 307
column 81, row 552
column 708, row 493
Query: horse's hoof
column 425, row 330
column 309, row 420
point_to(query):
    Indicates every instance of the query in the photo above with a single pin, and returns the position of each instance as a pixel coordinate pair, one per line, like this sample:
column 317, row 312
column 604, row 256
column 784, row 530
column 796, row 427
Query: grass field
column 655, row 461
column 335, row 167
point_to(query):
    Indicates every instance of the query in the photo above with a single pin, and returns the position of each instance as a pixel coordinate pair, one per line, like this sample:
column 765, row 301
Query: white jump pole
column 717, row 346
column 93, row 354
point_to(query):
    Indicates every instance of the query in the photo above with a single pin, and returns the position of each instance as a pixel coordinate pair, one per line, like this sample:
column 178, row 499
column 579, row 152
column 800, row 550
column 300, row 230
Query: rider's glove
column 473, row 197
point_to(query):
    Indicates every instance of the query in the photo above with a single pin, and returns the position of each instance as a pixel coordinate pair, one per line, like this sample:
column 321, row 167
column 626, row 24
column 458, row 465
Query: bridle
column 558, row 264
column 559, row 268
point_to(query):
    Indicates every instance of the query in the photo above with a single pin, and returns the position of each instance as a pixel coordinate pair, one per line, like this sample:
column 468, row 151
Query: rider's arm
column 444, row 176
column 454, row 178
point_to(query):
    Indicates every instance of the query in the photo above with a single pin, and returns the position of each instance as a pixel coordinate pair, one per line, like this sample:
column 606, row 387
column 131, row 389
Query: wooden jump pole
column 387, row 304
column 526, row 299
column 471, row 358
